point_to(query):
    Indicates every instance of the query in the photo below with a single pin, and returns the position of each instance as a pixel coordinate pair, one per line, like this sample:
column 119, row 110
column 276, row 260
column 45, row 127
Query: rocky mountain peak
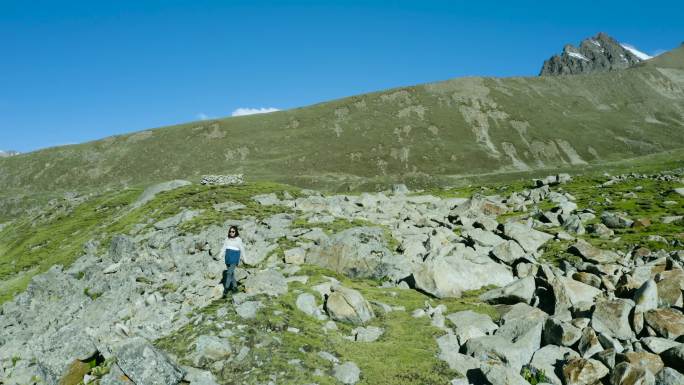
column 600, row 53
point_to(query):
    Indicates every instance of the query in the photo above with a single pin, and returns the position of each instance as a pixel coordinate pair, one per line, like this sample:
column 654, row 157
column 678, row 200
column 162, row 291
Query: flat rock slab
column 528, row 238
column 668, row 323
column 144, row 364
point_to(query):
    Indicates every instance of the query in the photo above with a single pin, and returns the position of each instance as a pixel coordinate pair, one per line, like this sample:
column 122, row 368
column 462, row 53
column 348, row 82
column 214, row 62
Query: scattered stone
column 348, row 305
column 612, row 318
column 347, row 373
column 367, row 334
column 616, row 220
column 248, row 309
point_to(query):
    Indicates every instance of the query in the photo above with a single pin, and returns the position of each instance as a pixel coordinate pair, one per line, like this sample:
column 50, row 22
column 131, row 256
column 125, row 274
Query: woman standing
column 233, row 250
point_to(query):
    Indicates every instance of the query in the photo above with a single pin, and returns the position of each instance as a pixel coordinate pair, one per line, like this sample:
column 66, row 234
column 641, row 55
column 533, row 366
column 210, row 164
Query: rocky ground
column 558, row 280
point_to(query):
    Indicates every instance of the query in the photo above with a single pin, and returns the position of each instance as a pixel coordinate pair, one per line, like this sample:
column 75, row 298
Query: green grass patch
column 406, row 353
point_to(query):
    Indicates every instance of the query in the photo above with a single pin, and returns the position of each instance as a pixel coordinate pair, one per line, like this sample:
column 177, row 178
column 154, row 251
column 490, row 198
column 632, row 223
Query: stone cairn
column 222, row 180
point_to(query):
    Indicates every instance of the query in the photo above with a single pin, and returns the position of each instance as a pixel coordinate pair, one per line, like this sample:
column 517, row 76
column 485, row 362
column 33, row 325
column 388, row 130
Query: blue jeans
column 229, row 278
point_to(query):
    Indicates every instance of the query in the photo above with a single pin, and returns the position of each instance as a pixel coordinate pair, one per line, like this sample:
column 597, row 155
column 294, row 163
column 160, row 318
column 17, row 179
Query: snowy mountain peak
column 600, row 53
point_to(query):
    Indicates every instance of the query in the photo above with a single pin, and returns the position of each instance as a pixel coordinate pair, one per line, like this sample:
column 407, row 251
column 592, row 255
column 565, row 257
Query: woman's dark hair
column 237, row 233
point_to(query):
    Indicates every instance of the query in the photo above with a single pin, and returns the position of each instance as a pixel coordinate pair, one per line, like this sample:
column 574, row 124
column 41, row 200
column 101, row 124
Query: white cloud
column 242, row 111
column 203, row 116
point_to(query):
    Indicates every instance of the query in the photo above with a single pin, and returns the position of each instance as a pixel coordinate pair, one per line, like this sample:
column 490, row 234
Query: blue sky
column 74, row 71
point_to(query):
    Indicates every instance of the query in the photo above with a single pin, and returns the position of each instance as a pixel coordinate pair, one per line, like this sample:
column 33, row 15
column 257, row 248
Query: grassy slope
column 418, row 133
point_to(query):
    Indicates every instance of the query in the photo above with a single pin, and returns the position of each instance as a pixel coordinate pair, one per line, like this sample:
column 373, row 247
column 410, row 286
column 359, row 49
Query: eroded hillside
column 426, row 133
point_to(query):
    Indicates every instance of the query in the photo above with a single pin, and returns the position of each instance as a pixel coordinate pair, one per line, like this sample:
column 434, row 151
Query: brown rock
column 581, row 371
column 626, row 374
column 643, row 360
column 588, row 278
column 668, row 323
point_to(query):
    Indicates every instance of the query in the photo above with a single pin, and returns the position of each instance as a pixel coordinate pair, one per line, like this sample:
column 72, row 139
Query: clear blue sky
column 73, row 71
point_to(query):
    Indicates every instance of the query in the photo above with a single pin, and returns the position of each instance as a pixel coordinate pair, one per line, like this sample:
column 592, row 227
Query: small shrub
column 533, row 375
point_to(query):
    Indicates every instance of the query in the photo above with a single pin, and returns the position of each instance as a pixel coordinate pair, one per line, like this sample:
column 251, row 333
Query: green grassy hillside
column 465, row 126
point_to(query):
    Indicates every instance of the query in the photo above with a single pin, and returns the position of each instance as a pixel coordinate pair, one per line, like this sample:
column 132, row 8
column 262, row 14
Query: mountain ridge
column 461, row 126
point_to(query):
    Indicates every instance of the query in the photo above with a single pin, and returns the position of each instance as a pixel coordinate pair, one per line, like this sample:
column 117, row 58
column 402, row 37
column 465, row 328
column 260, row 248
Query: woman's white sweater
column 233, row 244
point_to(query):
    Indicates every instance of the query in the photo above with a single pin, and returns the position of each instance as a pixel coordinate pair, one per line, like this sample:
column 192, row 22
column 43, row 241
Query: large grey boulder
column 521, row 290
column 462, row 270
column 558, row 332
column 146, row 365
column 468, row 324
column 528, row 238
column 348, row 305
column 612, row 318
column 569, row 293
column 359, row 252
column 269, row 281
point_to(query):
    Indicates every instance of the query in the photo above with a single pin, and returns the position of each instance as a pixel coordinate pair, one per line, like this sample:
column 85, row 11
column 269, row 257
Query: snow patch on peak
column 577, row 55
column 636, row 52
